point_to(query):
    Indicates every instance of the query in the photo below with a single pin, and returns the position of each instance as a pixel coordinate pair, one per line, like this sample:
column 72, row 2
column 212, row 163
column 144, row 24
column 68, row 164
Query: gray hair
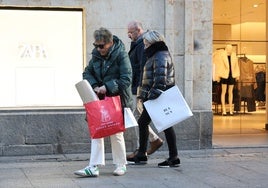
column 135, row 24
column 103, row 34
column 153, row 36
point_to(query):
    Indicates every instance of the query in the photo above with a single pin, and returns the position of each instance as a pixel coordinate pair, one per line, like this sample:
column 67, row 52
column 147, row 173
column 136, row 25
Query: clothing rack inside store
column 241, row 55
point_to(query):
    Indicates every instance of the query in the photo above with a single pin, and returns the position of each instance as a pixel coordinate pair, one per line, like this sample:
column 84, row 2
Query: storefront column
column 266, row 84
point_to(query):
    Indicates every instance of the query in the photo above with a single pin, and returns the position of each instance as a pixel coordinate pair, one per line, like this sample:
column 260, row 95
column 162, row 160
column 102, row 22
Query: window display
column 241, row 25
column 40, row 48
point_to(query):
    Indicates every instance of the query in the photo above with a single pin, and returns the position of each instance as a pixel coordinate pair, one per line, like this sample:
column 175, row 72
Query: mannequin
column 228, row 73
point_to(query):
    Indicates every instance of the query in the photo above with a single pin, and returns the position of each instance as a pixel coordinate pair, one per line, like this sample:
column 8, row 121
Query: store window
column 42, row 57
column 239, row 104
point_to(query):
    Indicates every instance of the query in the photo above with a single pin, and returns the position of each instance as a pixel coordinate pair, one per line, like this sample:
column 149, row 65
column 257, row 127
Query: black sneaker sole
column 170, row 166
column 137, row 163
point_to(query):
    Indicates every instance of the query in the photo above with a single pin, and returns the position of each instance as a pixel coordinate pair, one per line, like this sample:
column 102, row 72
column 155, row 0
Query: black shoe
column 138, row 159
column 170, row 163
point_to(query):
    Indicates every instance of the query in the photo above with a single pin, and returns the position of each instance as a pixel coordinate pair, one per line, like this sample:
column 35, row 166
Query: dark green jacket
column 113, row 71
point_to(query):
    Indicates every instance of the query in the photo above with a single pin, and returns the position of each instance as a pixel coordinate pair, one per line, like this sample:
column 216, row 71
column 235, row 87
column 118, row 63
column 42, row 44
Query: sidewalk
column 215, row 168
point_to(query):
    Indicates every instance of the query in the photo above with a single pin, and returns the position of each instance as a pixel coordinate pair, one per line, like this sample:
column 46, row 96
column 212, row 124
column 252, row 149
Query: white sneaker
column 120, row 170
column 88, row 172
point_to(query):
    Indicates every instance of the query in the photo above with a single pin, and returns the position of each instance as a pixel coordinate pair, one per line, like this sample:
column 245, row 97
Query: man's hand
column 140, row 105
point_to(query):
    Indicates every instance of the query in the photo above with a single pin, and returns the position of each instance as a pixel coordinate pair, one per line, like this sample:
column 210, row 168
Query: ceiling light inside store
column 239, row 11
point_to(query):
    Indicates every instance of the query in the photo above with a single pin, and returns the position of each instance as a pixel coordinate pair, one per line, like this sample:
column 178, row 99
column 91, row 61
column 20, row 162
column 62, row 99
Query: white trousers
column 97, row 155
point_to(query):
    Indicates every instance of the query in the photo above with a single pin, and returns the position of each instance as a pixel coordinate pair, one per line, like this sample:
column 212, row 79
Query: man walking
column 138, row 59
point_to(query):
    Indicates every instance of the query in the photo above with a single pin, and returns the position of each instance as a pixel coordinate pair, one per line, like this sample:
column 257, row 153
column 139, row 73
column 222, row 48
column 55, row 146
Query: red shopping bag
column 104, row 117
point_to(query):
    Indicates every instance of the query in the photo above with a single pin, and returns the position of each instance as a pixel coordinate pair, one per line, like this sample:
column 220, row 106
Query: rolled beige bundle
column 86, row 92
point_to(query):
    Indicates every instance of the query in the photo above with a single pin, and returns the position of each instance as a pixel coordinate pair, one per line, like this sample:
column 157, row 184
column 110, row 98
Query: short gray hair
column 153, row 36
column 103, row 34
column 135, row 24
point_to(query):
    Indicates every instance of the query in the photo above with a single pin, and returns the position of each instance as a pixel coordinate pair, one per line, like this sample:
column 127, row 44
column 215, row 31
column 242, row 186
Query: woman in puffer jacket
column 158, row 74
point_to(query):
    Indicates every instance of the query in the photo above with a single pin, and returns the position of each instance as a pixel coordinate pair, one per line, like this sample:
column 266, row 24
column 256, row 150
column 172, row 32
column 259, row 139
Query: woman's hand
column 96, row 89
column 102, row 89
column 154, row 93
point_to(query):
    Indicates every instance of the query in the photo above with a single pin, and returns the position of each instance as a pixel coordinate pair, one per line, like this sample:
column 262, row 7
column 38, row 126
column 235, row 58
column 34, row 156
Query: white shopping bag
column 86, row 92
column 168, row 109
column 129, row 118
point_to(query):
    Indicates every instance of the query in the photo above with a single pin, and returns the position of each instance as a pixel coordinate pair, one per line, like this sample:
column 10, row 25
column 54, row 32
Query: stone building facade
column 187, row 26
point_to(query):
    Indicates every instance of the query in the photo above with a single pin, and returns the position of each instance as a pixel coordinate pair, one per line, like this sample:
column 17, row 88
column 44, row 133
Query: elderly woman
column 109, row 73
column 158, row 75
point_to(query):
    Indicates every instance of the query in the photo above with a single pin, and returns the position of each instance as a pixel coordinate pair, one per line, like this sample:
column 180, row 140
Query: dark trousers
column 170, row 135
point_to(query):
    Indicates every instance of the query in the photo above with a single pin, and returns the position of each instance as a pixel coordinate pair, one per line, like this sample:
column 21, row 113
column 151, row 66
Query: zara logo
column 33, row 51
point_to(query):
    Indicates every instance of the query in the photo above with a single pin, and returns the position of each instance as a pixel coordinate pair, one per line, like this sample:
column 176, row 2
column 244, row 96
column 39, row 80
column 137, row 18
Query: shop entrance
column 239, row 73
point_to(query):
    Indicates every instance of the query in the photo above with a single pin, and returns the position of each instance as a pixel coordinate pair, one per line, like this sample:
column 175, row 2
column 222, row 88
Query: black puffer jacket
column 158, row 74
